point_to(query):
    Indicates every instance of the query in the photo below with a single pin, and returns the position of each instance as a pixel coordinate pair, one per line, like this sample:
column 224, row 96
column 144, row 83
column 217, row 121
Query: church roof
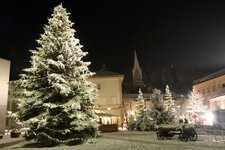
column 137, row 72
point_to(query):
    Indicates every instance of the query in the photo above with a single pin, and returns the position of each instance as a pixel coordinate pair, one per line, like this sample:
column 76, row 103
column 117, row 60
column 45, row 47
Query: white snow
column 134, row 140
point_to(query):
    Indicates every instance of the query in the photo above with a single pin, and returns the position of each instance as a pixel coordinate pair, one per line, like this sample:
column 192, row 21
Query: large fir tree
column 56, row 99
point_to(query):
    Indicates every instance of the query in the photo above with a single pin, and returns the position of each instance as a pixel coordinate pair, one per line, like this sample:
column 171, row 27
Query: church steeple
column 137, row 72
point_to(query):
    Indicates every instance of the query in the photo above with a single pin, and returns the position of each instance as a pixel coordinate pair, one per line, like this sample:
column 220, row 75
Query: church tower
column 137, row 73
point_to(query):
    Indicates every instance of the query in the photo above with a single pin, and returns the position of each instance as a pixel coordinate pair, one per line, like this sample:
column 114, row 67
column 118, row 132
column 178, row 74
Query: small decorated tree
column 56, row 99
column 159, row 113
column 168, row 99
column 140, row 104
column 194, row 104
column 142, row 119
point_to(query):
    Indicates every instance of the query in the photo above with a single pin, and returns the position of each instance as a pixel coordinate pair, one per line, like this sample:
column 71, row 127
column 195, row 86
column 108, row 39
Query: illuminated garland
column 55, row 130
column 57, row 140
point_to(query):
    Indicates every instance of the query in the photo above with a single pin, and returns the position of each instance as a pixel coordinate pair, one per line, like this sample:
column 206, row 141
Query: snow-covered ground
column 133, row 140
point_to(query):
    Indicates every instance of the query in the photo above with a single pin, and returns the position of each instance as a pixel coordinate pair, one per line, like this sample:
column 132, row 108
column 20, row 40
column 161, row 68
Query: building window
column 223, row 85
column 99, row 87
column 218, row 86
column 203, row 91
column 208, row 90
column 213, row 88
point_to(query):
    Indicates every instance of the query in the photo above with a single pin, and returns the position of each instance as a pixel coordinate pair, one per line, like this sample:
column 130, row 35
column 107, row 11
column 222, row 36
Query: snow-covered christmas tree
column 140, row 105
column 159, row 113
column 56, row 99
column 168, row 99
column 157, row 99
column 194, row 104
column 142, row 119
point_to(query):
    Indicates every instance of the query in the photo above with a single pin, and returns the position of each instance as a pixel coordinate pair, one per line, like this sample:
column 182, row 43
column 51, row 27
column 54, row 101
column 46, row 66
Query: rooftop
column 210, row 76
column 104, row 73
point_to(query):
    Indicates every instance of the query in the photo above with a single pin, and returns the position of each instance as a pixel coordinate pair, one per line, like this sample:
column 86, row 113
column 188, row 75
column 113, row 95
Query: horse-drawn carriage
column 184, row 131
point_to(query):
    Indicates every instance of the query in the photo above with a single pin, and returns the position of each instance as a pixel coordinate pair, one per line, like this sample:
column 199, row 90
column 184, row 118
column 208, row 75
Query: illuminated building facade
column 4, row 83
column 109, row 99
column 212, row 88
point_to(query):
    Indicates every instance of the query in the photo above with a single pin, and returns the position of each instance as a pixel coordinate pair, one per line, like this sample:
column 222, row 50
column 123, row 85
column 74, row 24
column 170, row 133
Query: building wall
column 210, row 87
column 109, row 97
column 217, row 103
column 109, row 93
column 12, row 104
column 130, row 106
column 212, row 90
column 4, row 80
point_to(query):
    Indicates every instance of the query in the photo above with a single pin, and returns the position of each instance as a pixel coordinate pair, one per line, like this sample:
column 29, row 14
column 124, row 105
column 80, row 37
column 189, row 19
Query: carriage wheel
column 193, row 136
column 160, row 136
column 183, row 137
column 169, row 135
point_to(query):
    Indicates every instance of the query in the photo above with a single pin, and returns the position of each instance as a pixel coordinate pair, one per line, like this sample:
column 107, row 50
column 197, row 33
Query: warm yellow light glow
column 208, row 118
column 109, row 120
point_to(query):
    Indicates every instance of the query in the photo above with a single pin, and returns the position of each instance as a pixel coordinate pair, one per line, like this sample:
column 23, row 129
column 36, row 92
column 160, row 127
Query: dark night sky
column 171, row 32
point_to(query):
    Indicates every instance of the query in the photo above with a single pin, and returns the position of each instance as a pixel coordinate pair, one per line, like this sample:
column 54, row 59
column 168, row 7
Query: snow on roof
column 104, row 73
column 210, row 76
column 101, row 113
